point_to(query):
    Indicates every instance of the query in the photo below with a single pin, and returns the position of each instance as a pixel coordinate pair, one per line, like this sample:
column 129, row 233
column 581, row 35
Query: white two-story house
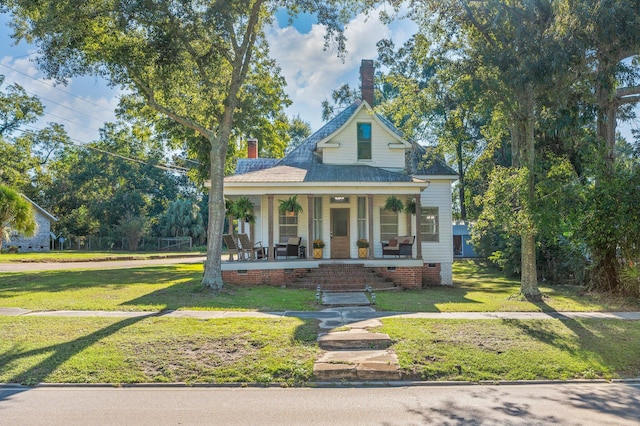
column 342, row 176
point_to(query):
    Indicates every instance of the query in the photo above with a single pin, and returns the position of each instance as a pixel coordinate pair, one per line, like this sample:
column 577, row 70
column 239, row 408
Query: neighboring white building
column 41, row 241
column 342, row 176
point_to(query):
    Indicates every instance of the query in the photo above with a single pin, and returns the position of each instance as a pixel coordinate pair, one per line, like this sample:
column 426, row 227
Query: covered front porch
column 335, row 226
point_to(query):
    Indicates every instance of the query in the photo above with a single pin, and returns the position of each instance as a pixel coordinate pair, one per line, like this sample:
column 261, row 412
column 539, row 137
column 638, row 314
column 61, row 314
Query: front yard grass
column 478, row 288
column 156, row 350
column 515, row 349
column 141, row 289
column 154, row 288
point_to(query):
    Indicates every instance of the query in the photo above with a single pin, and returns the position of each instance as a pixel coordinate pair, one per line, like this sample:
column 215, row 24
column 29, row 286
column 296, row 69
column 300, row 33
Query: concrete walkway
column 115, row 263
column 336, row 316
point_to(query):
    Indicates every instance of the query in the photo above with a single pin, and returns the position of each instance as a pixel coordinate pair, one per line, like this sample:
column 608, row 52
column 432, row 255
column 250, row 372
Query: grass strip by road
column 156, row 350
column 140, row 289
column 515, row 349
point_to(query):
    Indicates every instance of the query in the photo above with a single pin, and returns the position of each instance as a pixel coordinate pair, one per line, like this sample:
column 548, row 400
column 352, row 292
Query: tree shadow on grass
column 587, row 345
column 69, row 280
column 59, row 353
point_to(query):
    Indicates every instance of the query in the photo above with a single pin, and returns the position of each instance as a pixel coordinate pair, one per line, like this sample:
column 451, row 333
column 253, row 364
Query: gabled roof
column 303, row 164
column 359, row 105
column 40, row 209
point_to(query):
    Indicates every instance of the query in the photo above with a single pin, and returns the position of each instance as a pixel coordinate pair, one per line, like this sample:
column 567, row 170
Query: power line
column 55, row 87
column 79, row 144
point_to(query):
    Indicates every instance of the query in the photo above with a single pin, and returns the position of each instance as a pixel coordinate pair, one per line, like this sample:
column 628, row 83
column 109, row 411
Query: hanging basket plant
column 290, row 206
column 243, row 209
column 394, row 204
column 410, row 207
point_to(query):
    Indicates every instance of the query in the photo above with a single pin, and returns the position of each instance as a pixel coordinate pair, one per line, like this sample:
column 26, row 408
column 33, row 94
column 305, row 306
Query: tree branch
column 629, row 100
column 627, row 91
column 149, row 95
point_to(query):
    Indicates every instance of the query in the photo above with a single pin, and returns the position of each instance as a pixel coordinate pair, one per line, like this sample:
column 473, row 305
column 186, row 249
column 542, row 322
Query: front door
column 340, row 234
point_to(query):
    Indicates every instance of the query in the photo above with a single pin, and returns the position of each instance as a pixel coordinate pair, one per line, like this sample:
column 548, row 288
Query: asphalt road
column 541, row 404
column 110, row 264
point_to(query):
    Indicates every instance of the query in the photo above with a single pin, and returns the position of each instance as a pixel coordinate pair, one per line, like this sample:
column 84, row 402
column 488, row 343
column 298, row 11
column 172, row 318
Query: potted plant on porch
column 290, row 206
column 318, row 245
column 363, row 248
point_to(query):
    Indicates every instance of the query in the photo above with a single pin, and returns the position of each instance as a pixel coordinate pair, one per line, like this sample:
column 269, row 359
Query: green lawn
column 480, row 289
column 516, row 349
column 158, row 349
column 155, row 350
column 140, row 289
column 155, row 288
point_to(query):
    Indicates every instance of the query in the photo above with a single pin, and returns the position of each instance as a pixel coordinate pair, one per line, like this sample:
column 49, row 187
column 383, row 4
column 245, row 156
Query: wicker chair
column 291, row 248
column 232, row 245
column 254, row 250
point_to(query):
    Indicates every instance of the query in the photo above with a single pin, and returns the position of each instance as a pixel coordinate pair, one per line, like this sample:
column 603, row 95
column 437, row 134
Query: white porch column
column 310, row 236
column 370, row 222
column 418, row 225
column 271, row 255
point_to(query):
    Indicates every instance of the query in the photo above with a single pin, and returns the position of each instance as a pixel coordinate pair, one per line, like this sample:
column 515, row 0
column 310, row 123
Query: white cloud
column 313, row 73
column 81, row 107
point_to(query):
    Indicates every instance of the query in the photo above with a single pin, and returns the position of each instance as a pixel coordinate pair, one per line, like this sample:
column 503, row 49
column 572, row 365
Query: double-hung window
column 429, row 224
column 364, row 141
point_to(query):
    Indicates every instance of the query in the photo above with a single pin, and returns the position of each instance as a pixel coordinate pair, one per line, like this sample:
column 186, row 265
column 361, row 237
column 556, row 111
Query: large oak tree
column 188, row 59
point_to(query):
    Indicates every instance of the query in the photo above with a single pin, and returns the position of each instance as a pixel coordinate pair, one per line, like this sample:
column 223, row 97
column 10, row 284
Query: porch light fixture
column 339, row 199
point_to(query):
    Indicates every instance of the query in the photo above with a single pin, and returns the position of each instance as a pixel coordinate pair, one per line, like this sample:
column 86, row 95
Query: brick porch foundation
column 405, row 277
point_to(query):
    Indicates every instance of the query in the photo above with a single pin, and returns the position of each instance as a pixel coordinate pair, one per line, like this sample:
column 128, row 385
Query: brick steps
column 342, row 278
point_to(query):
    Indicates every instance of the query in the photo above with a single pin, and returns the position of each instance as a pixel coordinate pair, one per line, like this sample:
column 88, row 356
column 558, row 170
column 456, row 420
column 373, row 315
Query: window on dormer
column 364, row 141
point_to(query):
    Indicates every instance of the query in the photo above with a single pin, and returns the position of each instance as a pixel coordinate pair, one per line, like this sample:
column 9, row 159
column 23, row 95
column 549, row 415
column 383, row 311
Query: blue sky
column 86, row 103
column 312, row 73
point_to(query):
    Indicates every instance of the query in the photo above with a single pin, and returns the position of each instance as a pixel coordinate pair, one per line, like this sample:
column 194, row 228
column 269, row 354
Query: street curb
column 323, row 385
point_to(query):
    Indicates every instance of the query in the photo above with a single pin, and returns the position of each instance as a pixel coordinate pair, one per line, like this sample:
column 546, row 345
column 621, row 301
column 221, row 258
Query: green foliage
column 16, row 213
column 183, row 219
column 299, row 130
column 133, row 228
column 290, row 205
column 393, row 204
column 362, row 243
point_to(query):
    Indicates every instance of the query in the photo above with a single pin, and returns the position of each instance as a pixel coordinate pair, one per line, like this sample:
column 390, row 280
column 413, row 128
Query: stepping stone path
column 352, row 352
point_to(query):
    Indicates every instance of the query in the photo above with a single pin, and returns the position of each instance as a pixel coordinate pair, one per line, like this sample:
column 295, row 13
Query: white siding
column 382, row 155
column 438, row 194
column 41, row 241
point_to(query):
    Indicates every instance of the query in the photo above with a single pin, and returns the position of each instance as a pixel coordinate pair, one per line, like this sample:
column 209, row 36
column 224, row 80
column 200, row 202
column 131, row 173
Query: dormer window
column 364, row 141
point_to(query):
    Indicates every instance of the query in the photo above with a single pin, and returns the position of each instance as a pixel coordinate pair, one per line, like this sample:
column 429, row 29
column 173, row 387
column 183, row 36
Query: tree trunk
column 604, row 275
column 524, row 158
column 461, row 183
column 212, row 277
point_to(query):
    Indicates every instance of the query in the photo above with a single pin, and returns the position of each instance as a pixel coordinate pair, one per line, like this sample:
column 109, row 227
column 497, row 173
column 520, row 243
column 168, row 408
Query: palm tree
column 16, row 213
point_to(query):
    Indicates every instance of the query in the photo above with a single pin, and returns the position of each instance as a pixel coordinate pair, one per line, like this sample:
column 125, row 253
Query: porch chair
column 399, row 246
column 254, row 250
column 232, row 245
column 291, row 248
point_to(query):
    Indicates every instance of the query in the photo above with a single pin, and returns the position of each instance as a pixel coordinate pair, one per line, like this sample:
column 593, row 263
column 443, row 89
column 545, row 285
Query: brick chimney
column 366, row 77
column 252, row 148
